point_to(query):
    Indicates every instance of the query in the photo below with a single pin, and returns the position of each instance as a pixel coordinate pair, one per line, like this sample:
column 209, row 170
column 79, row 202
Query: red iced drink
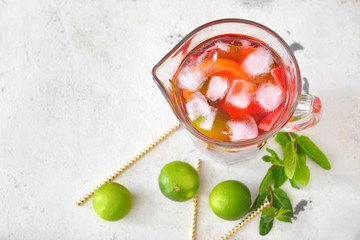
column 232, row 88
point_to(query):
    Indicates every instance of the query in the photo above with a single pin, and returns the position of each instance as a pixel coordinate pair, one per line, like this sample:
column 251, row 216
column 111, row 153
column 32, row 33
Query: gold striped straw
column 129, row 163
column 194, row 206
column 246, row 220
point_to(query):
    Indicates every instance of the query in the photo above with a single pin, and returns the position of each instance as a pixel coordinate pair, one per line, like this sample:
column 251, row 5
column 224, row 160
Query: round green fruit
column 230, row 200
column 179, row 181
column 112, row 201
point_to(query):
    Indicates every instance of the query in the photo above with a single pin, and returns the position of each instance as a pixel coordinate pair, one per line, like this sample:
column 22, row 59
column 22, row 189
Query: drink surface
column 232, row 88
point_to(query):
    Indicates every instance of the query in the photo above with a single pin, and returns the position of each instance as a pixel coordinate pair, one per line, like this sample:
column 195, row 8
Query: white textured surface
column 77, row 100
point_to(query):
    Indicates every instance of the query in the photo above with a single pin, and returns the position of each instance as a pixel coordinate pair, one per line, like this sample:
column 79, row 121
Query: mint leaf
column 293, row 183
column 282, row 138
column 265, row 227
column 313, row 152
column 302, row 172
column 268, row 214
column 260, row 199
column 281, row 215
column 274, row 159
column 290, row 158
column 279, row 176
column 272, row 152
column 266, row 158
column 281, row 200
column 266, row 182
column 284, row 218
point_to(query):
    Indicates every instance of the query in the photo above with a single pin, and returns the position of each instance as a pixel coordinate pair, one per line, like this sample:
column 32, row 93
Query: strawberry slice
column 268, row 122
column 279, row 77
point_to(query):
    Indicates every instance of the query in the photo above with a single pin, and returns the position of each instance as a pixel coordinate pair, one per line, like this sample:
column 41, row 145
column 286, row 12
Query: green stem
column 271, row 196
column 291, row 135
column 293, row 138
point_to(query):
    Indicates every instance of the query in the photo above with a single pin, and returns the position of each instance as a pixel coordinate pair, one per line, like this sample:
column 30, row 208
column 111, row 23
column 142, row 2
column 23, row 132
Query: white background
column 77, row 100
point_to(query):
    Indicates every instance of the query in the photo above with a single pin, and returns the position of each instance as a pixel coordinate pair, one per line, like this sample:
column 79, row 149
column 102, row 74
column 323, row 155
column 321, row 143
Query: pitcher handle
column 307, row 114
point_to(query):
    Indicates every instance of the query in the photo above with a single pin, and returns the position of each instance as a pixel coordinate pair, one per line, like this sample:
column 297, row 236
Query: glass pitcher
column 300, row 111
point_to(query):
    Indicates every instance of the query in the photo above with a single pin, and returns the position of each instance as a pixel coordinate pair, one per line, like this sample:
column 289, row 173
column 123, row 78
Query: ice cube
column 245, row 43
column 191, row 78
column 243, row 128
column 239, row 94
column 223, row 46
column 215, row 57
column 269, row 96
column 217, row 88
column 258, row 62
column 202, row 57
column 200, row 111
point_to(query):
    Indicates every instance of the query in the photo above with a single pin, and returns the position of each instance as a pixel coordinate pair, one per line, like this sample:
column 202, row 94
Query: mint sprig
column 293, row 167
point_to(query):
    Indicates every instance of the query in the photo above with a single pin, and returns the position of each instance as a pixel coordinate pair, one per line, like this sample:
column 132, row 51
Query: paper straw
column 129, row 163
column 246, row 220
column 194, row 206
